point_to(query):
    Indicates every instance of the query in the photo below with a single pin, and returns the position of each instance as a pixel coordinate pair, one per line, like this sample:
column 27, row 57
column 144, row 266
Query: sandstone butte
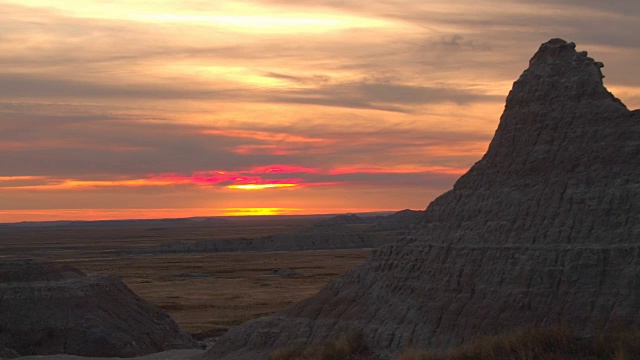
column 543, row 230
column 49, row 308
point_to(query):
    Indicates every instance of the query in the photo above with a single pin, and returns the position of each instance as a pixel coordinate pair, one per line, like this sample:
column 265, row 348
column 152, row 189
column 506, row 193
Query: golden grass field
column 240, row 288
column 200, row 291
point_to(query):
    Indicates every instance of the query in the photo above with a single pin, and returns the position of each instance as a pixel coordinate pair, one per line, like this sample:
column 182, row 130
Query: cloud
column 305, row 80
column 379, row 96
column 39, row 87
column 117, row 110
column 267, row 178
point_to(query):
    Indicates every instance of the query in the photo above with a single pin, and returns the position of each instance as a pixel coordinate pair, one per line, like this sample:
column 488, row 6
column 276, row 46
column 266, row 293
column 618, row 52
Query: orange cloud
column 70, row 184
column 265, row 136
column 62, row 144
column 262, row 149
column 398, row 169
column 256, row 178
column 283, row 169
column 105, row 214
column 20, row 178
column 272, row 142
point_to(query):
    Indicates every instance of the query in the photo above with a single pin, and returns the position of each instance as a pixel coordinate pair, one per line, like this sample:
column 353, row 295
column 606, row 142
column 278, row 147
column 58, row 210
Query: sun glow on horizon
column 260, row 211
column 260, row 186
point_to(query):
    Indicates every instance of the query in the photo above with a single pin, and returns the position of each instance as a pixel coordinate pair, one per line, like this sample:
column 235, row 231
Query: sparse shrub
column 288, row 352
column 527, row 344
column 553, row 343
column 620, row 346
column 350, row 346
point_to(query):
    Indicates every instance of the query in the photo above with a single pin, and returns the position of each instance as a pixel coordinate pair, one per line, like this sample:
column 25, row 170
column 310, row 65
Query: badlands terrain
column 207, row 291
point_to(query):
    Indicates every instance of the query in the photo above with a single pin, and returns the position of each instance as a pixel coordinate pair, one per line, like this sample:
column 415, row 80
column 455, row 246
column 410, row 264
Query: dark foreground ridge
column 543, row 230
column 47, row 308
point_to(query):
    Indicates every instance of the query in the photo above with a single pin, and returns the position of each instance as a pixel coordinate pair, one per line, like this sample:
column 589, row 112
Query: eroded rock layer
column 544, row 229
column 47, row 308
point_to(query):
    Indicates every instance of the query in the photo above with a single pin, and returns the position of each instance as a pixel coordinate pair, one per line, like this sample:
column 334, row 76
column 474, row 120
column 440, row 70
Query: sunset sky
column 166, row 108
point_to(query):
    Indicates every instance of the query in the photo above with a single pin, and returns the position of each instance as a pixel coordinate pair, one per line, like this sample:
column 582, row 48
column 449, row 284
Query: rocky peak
column 558, row 118
column 559, row 84
column 557, row 71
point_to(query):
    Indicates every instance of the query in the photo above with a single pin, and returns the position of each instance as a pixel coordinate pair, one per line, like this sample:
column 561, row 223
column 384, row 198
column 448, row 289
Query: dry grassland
column 200, row 291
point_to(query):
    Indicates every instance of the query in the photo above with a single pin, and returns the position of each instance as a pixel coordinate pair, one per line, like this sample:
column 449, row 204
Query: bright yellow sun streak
column 259, row 186
column 242, row 17
column 235, row 16
column 258, row 211
column 256, row 22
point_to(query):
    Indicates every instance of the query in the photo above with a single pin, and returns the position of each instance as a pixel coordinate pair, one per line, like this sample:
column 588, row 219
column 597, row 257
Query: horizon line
column 222, row 216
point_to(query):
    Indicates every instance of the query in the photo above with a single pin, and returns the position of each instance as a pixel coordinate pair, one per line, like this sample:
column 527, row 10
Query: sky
column 114, row 109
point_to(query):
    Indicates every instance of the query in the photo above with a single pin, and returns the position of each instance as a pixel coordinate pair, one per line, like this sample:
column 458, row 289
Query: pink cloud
column 262, row 149
column 283, row 169
column 398, row 169
column 256, row 178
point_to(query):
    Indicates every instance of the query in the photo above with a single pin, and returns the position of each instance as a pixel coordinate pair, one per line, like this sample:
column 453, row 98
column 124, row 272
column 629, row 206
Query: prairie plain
column 203, row 292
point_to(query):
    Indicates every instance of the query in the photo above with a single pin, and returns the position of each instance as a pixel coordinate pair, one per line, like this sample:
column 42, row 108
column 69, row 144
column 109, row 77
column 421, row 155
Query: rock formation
column 399, row 221
column 315, row 239
column 343, row 219
column 544, row 229
column 47, row 308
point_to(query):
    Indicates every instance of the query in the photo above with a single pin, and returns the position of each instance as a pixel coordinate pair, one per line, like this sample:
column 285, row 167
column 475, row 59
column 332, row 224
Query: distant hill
column 344, row 219
column 115, row 223
column 345, row 231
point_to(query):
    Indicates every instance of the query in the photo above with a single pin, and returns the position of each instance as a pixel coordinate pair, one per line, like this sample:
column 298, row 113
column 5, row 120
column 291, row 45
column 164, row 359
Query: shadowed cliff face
column 50, row 309
column 544, row 229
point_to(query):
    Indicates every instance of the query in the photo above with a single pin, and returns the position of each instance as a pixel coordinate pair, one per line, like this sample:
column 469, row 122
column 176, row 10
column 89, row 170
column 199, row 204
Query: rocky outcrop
column 400, row 221
column 302, row 241
column 47, row 308
column 544, row 229
column 343, row 219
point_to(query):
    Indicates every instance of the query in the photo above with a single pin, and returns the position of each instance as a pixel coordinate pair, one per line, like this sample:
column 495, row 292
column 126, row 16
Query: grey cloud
column 316, row 79
column 433, row 179
column 498, row 44
column 317, row 98
column 108, row 144
column 407, row 94
column 363, row 95
column 381, row 96
column 626, row 7
column 456, row 42
column 32, row 86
